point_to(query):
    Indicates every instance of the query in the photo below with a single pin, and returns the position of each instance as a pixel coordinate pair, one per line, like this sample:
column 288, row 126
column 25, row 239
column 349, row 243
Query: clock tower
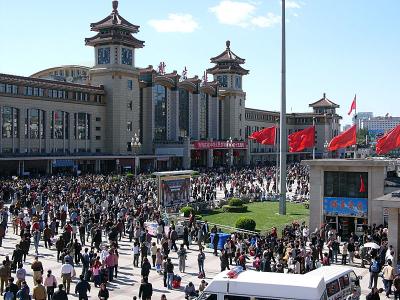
column 114, row 68
column 228, row 72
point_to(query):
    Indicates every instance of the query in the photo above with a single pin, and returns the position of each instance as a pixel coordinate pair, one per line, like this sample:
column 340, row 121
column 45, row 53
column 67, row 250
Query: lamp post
column 229, row 144
column 326, row 144
column 135, row 144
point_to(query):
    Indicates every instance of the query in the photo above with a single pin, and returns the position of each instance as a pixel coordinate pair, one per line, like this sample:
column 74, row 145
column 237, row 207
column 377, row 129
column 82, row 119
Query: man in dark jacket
column 224, row 258
column 60, row 294
column 146, row 267
column 145, row 290
column 82, row 288
column 215, row 243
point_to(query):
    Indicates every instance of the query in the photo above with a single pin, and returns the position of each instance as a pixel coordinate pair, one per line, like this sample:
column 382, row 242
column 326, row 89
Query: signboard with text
column 352, row 207
column 175, row 191
column 218, row 145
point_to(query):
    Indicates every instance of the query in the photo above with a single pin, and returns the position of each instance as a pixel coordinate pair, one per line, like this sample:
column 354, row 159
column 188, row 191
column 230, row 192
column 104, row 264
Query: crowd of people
column 85, row 218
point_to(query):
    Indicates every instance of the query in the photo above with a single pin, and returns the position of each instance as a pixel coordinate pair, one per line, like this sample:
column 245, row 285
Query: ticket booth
column 342, row 193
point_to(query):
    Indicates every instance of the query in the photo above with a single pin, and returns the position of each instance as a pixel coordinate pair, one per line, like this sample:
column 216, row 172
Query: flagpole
column 313, row 149
column 355, row 121
column 283, row 133
column 277, row 159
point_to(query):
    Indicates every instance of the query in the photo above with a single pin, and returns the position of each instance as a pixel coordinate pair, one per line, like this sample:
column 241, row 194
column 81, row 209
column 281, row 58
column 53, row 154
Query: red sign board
column 218, row 145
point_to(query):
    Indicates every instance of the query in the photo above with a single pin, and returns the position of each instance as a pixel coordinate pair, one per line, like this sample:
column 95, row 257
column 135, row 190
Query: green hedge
column 198, row 217
column 234, row 209
column 235, row 202
column 186, row 211
column 246, row 223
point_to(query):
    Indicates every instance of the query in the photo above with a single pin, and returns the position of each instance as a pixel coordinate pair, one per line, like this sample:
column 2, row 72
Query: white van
column 253, row 285
column 340, row 281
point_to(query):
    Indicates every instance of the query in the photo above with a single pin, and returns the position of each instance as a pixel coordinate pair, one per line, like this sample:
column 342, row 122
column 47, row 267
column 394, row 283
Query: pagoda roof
column 227, row 56
column 324, row 102
column 228, row 68
column 114, row 20
column 115, row 38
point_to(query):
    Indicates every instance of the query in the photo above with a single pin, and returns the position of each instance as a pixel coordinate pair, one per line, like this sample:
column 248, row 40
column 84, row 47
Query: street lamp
column 326, row 144
column 135, row 144
column 229, row 144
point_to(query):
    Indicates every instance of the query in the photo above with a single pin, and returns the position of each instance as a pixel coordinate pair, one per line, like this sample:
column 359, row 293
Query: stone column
column 393, row 235
column 210, row 158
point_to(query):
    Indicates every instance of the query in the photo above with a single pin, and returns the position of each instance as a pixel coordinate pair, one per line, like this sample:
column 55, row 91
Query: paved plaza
column 128, row 282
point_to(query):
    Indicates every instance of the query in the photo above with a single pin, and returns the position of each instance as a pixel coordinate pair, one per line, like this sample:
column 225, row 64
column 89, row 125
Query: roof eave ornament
column 115, row 5
column 228, row 45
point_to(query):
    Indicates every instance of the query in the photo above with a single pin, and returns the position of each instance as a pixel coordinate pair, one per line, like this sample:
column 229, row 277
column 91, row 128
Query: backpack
column 9, row 295
column 375, row 267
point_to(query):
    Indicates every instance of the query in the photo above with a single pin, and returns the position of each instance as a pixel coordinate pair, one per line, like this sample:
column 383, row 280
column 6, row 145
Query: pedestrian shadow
column 166, row 291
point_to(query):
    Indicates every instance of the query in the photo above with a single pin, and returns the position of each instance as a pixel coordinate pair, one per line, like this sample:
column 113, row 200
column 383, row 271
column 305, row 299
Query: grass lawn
column 264, row 213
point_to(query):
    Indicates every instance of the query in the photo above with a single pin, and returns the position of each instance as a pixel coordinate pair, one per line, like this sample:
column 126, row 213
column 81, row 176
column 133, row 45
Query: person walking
column 67, row 272
column 344, row 254
column 146, row 267
column 39, row 291
column 37, row 268
column 200, row 261
column 103, row 292
column 82, row 288
column 182, row 258
column 50, row 282
column 374, row 270
column 170, row 273
column 388, row 277
column 224, row 260
column 396, row 284
column 60, row 294
column 145, row 290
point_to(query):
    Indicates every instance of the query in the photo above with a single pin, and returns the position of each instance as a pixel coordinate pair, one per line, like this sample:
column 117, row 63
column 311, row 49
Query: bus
column 252, row 285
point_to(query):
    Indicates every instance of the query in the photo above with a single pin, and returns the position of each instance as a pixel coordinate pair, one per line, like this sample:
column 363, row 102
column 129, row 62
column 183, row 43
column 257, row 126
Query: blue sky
column 340, row 47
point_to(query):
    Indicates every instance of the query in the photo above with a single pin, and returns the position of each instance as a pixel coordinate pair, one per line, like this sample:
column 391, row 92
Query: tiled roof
column 227, row 56
column 324, row 102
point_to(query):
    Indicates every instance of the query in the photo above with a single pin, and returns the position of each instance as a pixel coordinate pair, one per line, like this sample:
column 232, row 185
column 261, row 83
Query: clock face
column 126, row 56
column 103, row 55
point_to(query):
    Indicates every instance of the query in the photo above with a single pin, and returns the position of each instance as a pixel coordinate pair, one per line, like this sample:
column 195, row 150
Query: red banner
column 218, row 145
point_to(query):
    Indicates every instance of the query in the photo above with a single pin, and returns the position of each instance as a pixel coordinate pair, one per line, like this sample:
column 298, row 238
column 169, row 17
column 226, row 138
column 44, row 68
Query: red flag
column 343, row 140
column 267, row 136
column 362, row 185
column 254, row 135
column 300, row 140
column 389, row 141
column 353, row 105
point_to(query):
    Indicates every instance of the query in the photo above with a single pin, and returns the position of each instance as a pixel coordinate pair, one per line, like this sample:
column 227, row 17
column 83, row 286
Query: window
column 80, row 96
column 98, row 128
column 130, row 105
column 98, row 119
column 99, row 99
column 10, row 122
column 98, row 138
column 208, row 296
column 129, row 126
column 98, row 150
column 59, row 125
column 229, row 297
column 28, row 91
column 333, row 288
column 345, row 184
column 39, row 92
column 238, row 82
column 35, row 124
column 103, row 55
column 130, row 84
column 11, row 89
column 2, row 88
column 82, row 126
column 183, row 113
column 160, row 112
column 204, row 116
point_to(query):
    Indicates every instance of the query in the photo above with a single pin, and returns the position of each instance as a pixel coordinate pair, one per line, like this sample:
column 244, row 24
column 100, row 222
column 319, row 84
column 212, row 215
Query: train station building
column 76, row 118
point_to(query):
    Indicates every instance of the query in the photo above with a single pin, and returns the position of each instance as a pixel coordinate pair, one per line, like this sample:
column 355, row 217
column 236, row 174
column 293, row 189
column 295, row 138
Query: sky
column 337, row 47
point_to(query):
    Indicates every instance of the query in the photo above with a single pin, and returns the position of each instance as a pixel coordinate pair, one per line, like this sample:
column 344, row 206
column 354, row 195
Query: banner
column 351, row 207
column 175, row 191
column 218, row 145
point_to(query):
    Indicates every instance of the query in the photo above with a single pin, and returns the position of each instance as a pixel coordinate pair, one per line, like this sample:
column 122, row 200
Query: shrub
column 186, row 211
column 234, row 209
column 130, row 175
column 245, row 223
column 198, row 217
column 307, row 204
column 235, row 202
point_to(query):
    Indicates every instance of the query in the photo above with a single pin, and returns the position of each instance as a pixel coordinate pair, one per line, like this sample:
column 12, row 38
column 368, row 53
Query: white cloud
column 234, row 12
column 266, row 21
column 175, row 23
column 292, row 4
column 243, row 14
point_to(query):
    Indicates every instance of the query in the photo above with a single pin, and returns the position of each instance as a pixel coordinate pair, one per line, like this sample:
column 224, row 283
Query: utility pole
column 283, row 133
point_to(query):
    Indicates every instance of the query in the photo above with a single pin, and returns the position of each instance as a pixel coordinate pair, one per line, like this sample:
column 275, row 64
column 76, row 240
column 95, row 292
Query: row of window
column 51, row 93
column 35, row 124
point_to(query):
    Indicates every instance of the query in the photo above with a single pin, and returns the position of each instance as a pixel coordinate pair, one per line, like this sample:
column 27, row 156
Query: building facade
column 79, row 118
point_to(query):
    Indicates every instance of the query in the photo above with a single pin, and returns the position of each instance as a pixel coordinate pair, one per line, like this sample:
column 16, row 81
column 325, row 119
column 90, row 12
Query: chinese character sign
column 354, row 207
column 218, row 145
